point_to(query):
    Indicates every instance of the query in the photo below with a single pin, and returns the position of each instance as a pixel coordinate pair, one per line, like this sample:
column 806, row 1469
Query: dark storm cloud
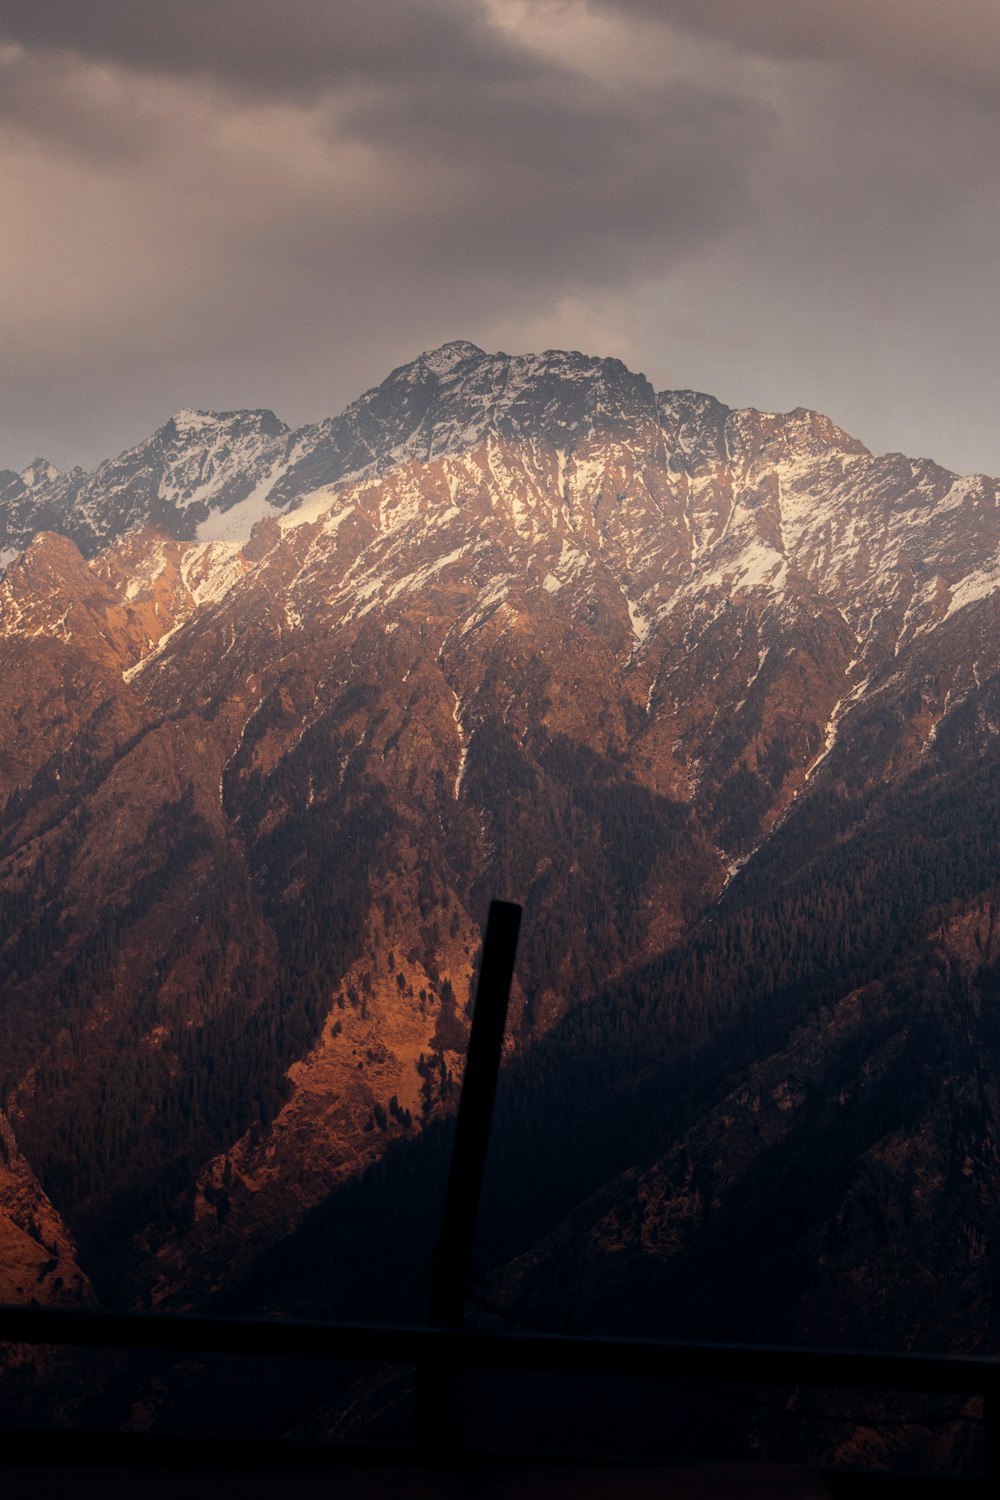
column 565, row 182
column 272, row 202
column 524, row 161
column 213, row 193
column 271, row 47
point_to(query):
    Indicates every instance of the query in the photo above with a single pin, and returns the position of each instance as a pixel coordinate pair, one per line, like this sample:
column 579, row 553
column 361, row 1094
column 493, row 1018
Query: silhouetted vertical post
column 435, row 1409
column 991, row 1437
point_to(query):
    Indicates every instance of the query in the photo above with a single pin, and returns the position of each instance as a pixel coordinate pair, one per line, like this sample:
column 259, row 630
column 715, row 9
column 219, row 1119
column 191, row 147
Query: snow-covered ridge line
column 203, row 466
column 672, row 499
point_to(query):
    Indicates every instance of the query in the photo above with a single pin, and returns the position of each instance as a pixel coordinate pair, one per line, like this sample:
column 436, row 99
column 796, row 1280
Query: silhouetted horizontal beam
column 659, row 1359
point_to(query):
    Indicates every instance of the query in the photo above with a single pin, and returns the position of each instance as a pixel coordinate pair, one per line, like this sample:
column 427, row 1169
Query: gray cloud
column 291, row 47
column 222, row 198
column 779, row 202
column 562, row 183
column 956, row 42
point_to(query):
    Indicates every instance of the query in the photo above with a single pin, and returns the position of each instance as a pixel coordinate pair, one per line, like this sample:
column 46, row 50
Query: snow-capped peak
column 189, row 422
column 38, row 472
column 442, row 361
column 200, row 426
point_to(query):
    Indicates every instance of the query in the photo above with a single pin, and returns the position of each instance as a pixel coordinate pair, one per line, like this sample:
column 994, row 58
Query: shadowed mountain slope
column 712, row 692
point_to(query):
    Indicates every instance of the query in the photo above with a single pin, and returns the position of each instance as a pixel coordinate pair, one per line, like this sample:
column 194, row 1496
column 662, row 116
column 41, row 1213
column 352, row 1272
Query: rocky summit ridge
column 555, row 482
column 283, row 709
column 201, row 465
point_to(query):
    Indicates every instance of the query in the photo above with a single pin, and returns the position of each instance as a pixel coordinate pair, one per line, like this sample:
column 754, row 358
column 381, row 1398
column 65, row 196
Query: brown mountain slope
column 559, row 639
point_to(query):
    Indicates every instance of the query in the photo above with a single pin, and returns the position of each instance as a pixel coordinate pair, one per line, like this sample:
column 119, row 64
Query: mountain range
column 712, row 692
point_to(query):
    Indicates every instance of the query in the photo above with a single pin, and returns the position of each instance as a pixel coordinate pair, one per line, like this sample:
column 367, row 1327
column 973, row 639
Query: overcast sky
column 226, row 203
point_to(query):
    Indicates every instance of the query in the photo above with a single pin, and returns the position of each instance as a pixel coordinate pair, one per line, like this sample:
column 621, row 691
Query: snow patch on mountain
column 444, row 360
column 637, row 619
column 39, row 472
column 968, row 490
column 131, row 673
column 188, row 421
column 463, row 744
column 837, row 715
column 209, row 571
column 228, row 450
column 150, row 567
column 326, row 505
column 416, row 580
column 491, row 598
column 975, row 586
column 727, row 569
column 236, row 524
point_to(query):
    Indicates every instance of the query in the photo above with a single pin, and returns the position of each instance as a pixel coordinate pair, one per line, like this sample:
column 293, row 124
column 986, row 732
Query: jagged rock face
column 284, row 709
column 37, row 1253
